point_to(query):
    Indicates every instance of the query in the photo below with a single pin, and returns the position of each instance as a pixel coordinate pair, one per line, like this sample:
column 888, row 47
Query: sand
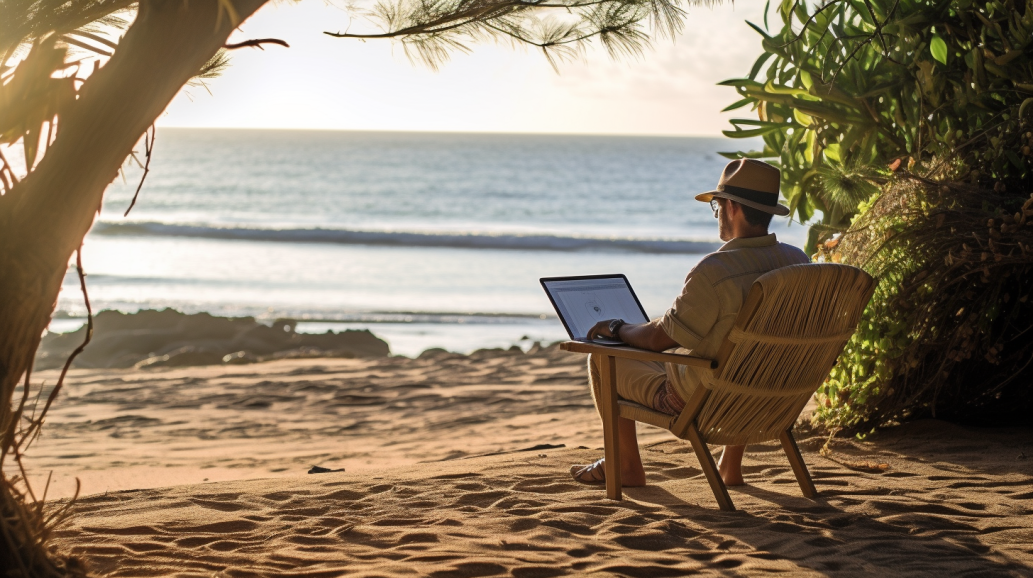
column 129, row 429
column 440, row 479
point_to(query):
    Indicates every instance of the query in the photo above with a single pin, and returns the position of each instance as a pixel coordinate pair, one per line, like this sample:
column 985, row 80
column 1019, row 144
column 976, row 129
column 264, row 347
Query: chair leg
column 706, row 462
column 797, row 463
column 610, row 413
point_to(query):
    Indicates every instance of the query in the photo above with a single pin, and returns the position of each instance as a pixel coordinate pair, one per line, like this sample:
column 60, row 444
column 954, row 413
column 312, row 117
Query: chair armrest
column 635, row 353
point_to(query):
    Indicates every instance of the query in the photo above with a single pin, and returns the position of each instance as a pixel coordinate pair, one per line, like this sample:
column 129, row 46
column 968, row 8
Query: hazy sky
column 325, row 83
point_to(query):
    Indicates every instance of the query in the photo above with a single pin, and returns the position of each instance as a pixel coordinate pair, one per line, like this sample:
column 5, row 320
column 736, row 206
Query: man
column 701, row 317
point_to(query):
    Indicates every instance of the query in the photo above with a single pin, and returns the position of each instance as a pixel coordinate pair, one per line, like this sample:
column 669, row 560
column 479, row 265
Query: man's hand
column 641, row 335
column 601, row 330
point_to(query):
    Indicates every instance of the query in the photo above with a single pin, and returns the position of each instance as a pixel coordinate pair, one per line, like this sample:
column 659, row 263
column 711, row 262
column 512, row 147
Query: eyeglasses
column 714, row 206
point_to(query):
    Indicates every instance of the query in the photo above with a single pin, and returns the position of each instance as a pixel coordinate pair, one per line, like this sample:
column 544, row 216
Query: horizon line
column 458, row 132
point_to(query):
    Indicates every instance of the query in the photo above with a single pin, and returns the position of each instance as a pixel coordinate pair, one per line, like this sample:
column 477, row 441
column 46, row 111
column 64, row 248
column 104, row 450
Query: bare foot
column 731, row 478
column 633, row 477
column 595, row 473
column 730, row 466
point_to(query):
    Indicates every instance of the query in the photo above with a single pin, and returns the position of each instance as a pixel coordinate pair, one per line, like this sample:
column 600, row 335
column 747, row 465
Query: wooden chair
column 785, row 340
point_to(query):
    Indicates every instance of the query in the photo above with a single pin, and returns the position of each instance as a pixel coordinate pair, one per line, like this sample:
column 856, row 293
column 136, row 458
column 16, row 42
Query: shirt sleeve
column 693, row 313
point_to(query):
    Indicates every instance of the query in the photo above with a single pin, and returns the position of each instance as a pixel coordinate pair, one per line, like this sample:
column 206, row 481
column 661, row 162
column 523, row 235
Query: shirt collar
column 749, row 242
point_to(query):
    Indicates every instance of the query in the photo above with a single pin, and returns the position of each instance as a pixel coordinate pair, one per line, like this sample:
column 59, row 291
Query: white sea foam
column 408, row 239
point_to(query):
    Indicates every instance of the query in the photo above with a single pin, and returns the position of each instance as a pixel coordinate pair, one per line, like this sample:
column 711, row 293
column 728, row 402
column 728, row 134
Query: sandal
column 592, row 474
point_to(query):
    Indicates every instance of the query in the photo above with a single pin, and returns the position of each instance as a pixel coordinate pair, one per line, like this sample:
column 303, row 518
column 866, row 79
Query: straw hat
column 752, row 183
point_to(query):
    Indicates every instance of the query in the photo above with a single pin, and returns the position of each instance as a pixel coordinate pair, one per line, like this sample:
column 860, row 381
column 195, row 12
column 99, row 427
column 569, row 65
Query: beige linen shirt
column 714, row 291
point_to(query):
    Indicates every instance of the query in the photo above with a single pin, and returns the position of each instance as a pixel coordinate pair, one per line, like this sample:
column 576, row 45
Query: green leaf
column 832, row 152
column 740, row 122
column 805, row 209
column 805, row 78
column 938, row 48
column 749, row 133
column 808, row 152
column 744, row 82
column 802, row 117
column 759, row 31
column 737, row 104
column 772, row 89
column 760, row 62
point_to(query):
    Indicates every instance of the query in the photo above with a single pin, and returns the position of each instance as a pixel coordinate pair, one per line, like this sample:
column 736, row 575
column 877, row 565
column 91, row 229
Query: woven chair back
column 792, row 327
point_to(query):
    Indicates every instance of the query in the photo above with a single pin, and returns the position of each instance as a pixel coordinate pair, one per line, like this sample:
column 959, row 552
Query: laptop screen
column 581, row 302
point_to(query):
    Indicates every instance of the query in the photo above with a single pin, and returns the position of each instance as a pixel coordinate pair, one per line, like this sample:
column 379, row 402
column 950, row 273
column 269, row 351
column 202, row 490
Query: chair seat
column 639, row 412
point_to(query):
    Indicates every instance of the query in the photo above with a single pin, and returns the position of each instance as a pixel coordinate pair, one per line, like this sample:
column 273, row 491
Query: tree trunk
column 44, row 218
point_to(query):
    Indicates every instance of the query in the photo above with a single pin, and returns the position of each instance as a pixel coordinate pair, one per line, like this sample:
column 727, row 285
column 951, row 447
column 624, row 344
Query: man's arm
column 641, row 335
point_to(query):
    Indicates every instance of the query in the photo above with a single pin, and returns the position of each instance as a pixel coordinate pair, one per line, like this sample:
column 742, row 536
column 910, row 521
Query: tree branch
column 477, row 14
column 256, row 43
column 33, row 430
column 148, row 147
column 438, row 25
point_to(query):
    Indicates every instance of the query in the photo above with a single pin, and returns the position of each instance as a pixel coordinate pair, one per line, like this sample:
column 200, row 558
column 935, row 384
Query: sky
column 322, row 82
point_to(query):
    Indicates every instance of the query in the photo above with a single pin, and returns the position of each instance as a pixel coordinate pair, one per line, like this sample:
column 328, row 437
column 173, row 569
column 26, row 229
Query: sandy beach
column 119, row 429
column 283, row 287
column 456, row 465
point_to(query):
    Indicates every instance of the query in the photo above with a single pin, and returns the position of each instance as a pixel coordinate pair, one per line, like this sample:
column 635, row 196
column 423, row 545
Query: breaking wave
column 529, row 242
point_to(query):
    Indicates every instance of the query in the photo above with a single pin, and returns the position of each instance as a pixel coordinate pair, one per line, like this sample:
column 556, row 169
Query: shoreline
column 406, row 333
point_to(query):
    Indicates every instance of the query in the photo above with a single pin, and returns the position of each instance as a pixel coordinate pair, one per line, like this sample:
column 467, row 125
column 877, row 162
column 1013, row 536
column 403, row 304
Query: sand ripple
column 422, row 497
column 122, row 428
column 932, row 514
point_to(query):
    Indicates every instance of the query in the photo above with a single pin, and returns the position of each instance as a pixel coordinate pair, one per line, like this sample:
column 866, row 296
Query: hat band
column 764, row 198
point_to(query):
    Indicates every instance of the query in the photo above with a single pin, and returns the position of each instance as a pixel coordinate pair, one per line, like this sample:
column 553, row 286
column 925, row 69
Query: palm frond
column 26, row 21
column 848, row 187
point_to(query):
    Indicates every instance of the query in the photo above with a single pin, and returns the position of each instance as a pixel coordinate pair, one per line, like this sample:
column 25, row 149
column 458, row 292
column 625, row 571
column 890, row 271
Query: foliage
column 907, row 125
column 852, row 85
column 79, row 22
column 39, row 76
column 949, row 332
column 562, row 29
column 31, row 99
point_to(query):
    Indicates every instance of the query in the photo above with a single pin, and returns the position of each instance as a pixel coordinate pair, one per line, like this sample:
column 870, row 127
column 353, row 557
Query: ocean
column 428, row 240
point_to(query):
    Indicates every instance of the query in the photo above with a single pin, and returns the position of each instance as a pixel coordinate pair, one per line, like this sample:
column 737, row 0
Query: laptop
column 583, row 301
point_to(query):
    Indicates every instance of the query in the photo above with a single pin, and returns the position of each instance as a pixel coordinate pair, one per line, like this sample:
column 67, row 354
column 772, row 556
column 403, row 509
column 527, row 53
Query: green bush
column 859, row 84
column 906, row 125
column 949, row 332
